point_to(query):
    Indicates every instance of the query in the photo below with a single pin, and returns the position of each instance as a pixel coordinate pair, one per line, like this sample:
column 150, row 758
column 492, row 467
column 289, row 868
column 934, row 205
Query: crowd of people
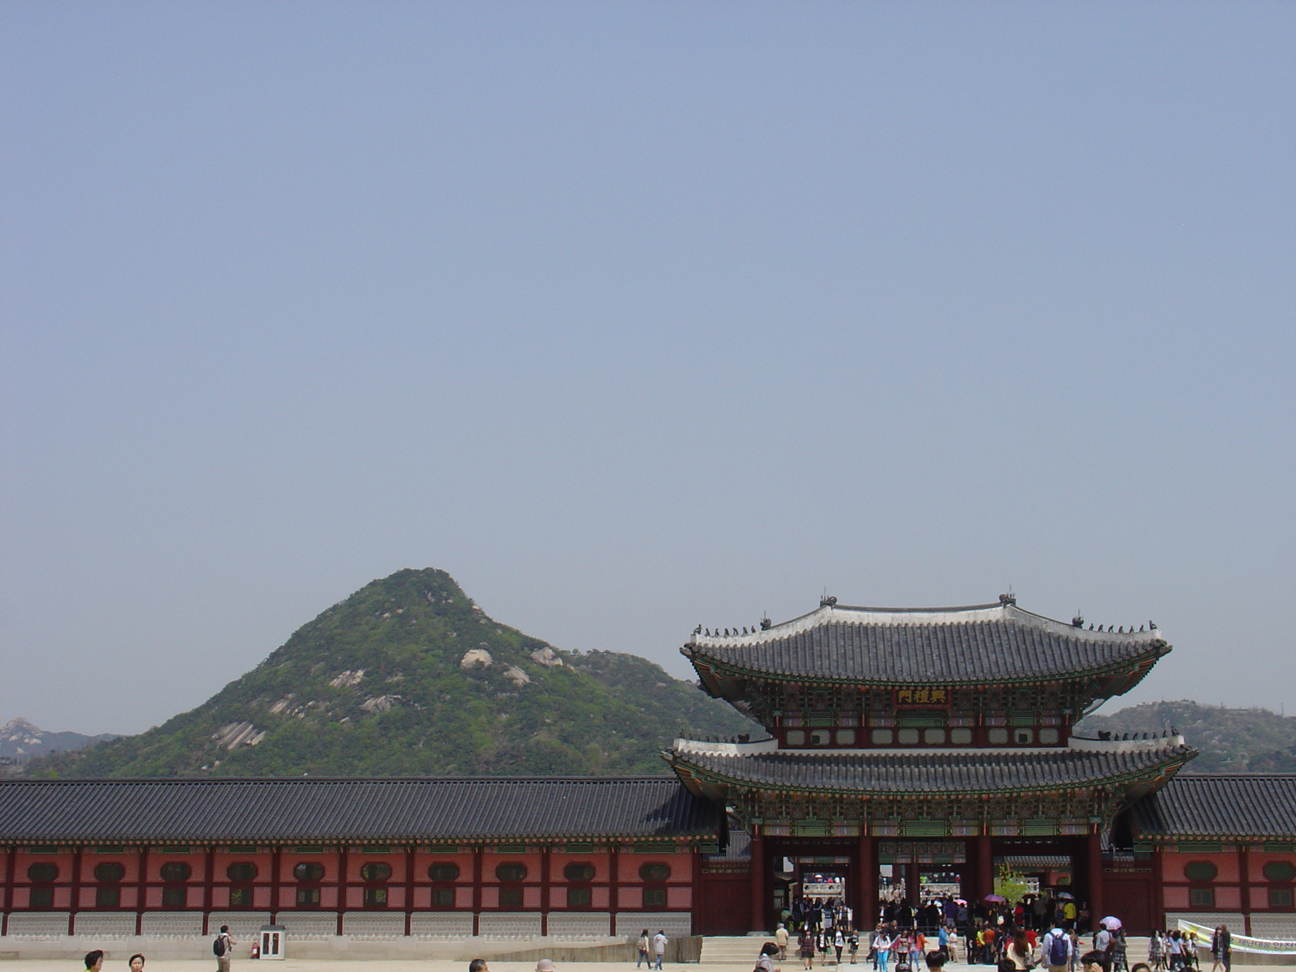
column 1172, row 951
column 1037, row 932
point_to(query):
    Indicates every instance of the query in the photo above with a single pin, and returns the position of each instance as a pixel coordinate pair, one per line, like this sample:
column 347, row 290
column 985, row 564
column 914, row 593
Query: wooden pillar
column 343, row 853
column 76, row 889
column 757, row 879
column 10, row 864
column 984, row 867
column 1158, row 887
column 477, row 890
column 1094, row 855
column 1244, row 880
column 409, row 889
column 614, row 884
column 866, row 886
column 697, row 899
column 141, row 890
column 276, row 861
column 208, row 877
column 546, row 858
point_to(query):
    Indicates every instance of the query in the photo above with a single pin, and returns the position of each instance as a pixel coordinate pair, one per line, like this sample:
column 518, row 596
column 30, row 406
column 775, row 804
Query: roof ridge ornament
column 1007, row 599
column 827, row 601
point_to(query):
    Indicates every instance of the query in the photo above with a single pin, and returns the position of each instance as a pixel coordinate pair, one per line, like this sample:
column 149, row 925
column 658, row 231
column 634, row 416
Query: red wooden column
column 984, row 867
column 696, row 898
column 866, row 885
column 409, row 889
column 276, row 861
column 10, row 863
column 209, row 868
column 343, row 853
column 614, row 883
column 76, row 889
column 477, row 890
column 141, row 891
column 1244, row 880
column 1096, row 906
column 757, row 877
column 545, row 859
column 1158, row 888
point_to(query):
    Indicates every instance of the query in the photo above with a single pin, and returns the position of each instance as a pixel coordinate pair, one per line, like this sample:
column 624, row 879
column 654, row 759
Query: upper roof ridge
column 830, row 612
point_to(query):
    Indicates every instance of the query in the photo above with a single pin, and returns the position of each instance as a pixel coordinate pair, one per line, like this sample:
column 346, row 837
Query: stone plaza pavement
column 115, row 963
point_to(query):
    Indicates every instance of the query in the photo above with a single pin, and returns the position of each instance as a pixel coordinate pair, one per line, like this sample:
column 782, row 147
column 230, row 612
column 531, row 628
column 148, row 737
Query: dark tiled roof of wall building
column 969, row 645
column 737, row 850
column 373, row 810
column 1220, row 806
column 917, row 772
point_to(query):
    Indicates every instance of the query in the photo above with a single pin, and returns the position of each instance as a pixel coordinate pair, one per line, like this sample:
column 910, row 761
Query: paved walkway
column 117, row 963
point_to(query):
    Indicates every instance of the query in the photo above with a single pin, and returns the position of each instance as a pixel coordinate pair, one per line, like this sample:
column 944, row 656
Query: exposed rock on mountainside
column 408, row 676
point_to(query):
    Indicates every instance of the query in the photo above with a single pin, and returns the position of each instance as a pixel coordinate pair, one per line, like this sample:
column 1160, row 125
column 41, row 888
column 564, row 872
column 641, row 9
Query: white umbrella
column 1111, row 922
column 1067, row 895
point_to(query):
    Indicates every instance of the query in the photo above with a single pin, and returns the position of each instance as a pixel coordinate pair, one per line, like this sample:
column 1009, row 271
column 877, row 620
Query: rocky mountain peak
column 409, row 676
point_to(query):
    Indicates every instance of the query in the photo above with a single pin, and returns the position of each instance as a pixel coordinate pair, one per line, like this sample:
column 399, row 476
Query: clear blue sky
column 634, row 316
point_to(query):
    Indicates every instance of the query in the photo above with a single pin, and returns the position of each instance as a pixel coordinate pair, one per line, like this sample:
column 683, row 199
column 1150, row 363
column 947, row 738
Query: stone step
column 732, row 950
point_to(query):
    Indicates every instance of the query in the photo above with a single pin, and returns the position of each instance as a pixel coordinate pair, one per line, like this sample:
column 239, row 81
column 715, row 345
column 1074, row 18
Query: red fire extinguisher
column 256, row 950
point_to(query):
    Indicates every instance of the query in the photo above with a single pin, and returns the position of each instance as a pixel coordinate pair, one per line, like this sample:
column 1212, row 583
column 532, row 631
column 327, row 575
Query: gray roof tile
column 375, row 810
column 1220, row 806
column 987, row 643
column 922, row 772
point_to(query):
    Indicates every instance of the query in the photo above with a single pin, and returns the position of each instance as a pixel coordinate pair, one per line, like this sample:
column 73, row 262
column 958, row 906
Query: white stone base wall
column 676, row 924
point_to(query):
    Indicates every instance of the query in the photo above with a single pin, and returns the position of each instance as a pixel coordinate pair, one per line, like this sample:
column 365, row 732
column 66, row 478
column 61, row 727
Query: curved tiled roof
column 987, row 643
column 917, row 772
column 375, row 810
column 1220, row 806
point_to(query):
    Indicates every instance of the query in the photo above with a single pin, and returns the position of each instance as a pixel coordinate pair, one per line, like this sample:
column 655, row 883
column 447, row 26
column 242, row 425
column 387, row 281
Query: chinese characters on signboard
column 929, row 696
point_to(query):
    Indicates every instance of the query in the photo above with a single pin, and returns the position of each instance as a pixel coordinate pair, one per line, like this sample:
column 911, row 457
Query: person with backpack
column 643, row 945
column 221, row 948
column 1056, row 950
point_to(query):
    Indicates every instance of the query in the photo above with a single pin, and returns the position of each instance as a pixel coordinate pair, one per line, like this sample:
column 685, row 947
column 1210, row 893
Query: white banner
column 1239, row 943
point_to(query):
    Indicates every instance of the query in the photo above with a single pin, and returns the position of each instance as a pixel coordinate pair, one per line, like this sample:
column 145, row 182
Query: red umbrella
column 996, row 898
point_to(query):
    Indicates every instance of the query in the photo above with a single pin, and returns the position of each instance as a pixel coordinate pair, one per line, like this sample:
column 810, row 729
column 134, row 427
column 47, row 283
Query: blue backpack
column 1057, row 953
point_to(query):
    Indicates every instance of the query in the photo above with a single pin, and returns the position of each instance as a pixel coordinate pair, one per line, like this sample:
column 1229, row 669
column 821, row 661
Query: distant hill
column 408, row 676
column 1230, row 740
column 20, row 740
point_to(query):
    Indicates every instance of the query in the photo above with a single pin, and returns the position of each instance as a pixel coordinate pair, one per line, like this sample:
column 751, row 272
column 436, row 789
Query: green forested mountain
column 1230, row 740
column 407, row 676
